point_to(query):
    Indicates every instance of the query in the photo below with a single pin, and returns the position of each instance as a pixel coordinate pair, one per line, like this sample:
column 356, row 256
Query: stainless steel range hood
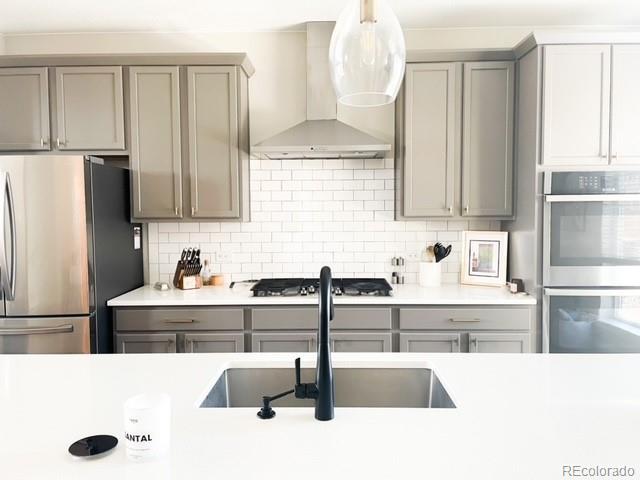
column 321, row 135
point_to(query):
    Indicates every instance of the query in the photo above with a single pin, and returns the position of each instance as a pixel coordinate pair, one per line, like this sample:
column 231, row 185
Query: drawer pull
column 464, row 319
column 186, row 320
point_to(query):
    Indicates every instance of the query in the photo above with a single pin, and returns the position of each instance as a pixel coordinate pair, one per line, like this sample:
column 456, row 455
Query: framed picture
column 484, row 258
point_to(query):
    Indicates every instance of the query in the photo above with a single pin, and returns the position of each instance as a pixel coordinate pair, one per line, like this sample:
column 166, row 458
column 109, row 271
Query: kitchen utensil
column 441, row 252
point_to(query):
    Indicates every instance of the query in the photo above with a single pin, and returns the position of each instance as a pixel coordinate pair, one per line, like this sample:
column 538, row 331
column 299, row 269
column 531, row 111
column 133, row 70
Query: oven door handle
column 592, row 292
column 612, row 197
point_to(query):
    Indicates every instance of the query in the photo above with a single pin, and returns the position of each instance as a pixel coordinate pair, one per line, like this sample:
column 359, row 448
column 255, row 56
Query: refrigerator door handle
column 14, row 253
column 36, row 330
column 4, row 271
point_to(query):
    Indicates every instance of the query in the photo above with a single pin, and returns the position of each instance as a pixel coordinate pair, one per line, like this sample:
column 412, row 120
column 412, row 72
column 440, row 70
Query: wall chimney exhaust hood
column 321, row 135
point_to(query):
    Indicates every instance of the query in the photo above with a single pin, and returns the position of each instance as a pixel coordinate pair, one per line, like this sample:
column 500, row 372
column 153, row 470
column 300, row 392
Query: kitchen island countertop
column 518, row 417
column 240, row 295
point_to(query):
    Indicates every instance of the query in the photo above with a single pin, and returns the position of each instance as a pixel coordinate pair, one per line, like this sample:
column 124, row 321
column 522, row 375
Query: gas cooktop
column 268, row 287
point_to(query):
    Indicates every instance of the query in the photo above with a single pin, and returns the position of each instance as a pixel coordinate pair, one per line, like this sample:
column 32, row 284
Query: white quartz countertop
column 147, row 296
column 518, row 417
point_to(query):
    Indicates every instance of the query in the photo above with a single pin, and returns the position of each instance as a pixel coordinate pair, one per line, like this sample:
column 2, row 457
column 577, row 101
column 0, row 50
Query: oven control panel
column 595, row 183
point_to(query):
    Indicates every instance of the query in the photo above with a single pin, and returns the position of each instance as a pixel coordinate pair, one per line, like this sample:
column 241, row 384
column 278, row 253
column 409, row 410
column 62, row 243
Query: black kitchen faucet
column 323, row 390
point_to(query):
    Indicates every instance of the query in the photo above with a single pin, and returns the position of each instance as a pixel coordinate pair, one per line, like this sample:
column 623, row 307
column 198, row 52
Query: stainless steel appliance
column 591, row 262
column 592, row 229
column 66, row 246
column 268, row 287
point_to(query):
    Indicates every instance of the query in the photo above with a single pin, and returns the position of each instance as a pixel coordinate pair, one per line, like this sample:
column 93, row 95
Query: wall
column 309, row 213
column 303, row 214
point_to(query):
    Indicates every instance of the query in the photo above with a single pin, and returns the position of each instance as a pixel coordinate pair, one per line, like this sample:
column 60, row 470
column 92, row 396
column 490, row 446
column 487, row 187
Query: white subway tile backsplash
column 308, row 213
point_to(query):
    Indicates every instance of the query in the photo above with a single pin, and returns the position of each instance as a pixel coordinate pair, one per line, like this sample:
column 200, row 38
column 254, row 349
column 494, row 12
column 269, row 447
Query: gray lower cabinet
column 156, row 164
column 214, row 163
column 284, row 342
column 146, row 343
column 487, row 142
column 360, row 342
column 430, row 342
column 213, row 342
column 89, row 108
column 499, row 343
column 24, row 111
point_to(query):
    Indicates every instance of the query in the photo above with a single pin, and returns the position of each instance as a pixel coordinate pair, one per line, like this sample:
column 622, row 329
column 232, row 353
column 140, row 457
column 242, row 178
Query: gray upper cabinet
column 431, row 94
column 487, row 144
column 155, row 142
column 24, row 116
column 575, row 112
column 89, row 107
column 455, row 132
column 625, row 105
column 214, row 166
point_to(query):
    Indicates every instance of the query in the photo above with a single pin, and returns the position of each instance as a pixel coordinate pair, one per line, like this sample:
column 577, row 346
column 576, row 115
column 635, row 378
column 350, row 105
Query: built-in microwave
column 591, row 229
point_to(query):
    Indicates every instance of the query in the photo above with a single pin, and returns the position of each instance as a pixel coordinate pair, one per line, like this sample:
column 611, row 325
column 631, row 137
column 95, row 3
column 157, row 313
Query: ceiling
column 34, row 16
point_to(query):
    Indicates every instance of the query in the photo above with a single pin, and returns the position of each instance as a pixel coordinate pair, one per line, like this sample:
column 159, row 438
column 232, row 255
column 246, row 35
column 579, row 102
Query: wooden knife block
column 189, row 283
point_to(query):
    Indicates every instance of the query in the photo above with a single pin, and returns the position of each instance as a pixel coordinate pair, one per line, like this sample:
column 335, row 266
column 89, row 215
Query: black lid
column 93, row 445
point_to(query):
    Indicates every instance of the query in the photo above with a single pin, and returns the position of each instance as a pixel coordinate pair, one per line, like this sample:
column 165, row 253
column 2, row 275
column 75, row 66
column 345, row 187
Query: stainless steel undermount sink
column 354, row 387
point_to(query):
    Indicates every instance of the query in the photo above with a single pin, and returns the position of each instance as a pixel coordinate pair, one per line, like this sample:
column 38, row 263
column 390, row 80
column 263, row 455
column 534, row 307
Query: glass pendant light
column 367, row 54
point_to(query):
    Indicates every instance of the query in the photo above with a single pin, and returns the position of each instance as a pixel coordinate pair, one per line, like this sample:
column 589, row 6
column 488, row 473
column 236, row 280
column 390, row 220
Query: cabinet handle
column 454, row 344
column 44, row 141
column 193, row 211
column 186, row 320
column 60, row 142
column 614, row 156
column 450, row 209
column 466, row 209
column 474, row 342
column 464, row 319
column 604, row 155
column 176, row 210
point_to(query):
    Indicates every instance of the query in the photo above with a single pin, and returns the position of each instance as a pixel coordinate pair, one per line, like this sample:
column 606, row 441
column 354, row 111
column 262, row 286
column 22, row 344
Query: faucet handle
column 304, row 390
column 298, row 381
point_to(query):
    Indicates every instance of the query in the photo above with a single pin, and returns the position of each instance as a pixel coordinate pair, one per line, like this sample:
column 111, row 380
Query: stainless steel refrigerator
column 66, row 247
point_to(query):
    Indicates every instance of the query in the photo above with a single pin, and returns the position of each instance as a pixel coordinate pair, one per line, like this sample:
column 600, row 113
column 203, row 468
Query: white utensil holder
column 430, row 274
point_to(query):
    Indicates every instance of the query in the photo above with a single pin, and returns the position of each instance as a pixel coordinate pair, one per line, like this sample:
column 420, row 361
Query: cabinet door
column 576, row 104
column 430, row 342
column 214, row 342
column 625, row 104
column 499, row 343
column 213, row 142
column 431, row 97
column 89, row 108
column 155, row 142
column 24, row 112
column 487, row 146
column 146, row 343
column 360, row 342
column 283, row 342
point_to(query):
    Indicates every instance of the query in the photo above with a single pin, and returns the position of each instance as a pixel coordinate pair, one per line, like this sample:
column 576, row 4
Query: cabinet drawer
column 306, row 318
column 465, row 318
column 179, row 319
